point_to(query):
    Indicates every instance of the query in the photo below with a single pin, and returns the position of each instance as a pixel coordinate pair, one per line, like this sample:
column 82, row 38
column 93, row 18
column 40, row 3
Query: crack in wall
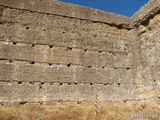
column 96, row 107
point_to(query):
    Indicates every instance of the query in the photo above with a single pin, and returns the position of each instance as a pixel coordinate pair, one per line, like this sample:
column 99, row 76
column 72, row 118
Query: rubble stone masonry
column 59, row 55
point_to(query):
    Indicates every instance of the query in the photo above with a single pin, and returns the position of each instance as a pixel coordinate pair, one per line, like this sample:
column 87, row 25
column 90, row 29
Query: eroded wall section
column 149, row 69
column 48, row 58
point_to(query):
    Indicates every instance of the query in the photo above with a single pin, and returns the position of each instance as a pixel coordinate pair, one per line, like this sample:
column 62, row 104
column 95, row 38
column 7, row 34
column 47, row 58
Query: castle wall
column 149, row 34
column 55, row 49
column 58, row 54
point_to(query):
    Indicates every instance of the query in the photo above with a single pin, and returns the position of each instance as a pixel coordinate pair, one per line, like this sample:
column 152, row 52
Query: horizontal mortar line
column 111, row 52
column 37, row 101
column 120, row 26
column 136, row 99
column 69, row 83
column 9, row 22
column 25, row 102
column 131, row 99
column 22, row 102
column 50, row 64
column 50, row 45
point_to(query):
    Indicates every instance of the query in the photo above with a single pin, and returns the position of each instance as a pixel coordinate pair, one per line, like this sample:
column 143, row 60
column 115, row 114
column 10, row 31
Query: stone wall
column 149, row 68
column 54, row 53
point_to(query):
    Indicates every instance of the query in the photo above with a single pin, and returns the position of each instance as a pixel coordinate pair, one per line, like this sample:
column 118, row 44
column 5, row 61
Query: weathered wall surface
column 70, row 10
column 42, row 47
column 54, row 53
column 149, row 39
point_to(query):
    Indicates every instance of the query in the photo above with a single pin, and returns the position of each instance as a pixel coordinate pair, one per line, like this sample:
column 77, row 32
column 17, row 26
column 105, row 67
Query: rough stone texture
column 25, row 71
column 54, row 54
column 150, row 56
column 146, row 12
column 49, row 94
column 66, row 55
column 67, row 9
column 41, row 28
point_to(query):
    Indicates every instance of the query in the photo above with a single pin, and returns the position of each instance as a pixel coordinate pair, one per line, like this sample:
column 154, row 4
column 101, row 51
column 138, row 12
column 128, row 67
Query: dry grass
column 77, row 112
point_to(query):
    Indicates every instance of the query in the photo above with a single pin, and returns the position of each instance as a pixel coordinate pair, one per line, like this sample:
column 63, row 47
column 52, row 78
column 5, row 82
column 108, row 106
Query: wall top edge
column 76, row 11
column 68, row 9
column 145, row 12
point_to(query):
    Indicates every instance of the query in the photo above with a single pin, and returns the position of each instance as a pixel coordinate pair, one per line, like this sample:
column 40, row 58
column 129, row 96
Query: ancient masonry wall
column 149, row 64
column 53, row 52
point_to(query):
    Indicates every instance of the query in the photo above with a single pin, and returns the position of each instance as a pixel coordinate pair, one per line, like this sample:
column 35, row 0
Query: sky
column 123, row 7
